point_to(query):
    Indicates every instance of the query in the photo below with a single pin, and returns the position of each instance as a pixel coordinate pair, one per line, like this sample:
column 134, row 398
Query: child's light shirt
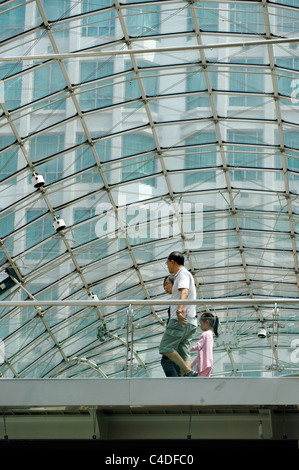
column 204, row 346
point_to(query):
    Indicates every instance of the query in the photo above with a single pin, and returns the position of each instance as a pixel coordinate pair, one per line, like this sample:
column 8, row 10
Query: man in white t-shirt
column 175, row 343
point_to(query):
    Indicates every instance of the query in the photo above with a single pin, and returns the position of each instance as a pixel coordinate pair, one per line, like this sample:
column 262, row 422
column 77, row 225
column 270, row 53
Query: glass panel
column 47, row 80
column 101, row 24
column 143, row 21
column 154, row 131
column 12, row 20
column 207, row 16
column 56, row 9
column 12, row 88
column 246, row 80
column 246, row 18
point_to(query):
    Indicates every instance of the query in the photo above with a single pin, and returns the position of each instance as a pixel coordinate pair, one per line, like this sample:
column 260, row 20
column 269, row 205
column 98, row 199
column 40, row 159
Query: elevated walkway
column 150, row 409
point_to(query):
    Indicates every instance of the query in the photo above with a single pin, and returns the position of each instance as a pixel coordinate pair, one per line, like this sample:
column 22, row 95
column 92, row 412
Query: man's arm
column 184, row 295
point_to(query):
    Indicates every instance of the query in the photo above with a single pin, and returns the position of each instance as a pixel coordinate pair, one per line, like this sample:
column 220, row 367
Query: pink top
column 204, row 346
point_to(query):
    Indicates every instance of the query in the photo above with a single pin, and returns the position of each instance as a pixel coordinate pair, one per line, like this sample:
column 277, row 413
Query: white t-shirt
column 184, row 280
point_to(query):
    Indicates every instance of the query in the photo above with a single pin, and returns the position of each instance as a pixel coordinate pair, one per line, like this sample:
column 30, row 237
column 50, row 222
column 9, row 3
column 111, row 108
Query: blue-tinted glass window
column 43, row 146
column 56, row 9
column 196, row 82
column 245, row 156
column 36, row 233
column 199, row 158
column 97, row 94
column 288, row 20
column 102, row 24
column 12, row 20
column 246, row 80
column 207, row 16
column 288, row 81
column 246, row 18
column 143, row 165
column 6, row 223
column 48, row 80
column 11, row 89
column 85, row 232
column 149, row 82
column 143, row 21
column 103, row 148
column 8, row 159
column 51, row 170
column 84, row 160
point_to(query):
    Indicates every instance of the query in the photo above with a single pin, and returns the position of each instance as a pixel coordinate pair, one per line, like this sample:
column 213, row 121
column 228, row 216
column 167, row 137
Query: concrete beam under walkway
column 35, row 393
column 156, row 408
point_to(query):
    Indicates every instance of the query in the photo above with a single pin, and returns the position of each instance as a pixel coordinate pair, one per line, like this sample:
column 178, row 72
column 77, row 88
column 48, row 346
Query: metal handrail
column 274, row 301
column 93, row 303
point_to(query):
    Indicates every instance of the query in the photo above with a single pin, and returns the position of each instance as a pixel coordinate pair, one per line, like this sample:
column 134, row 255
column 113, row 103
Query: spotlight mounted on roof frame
column 37, row 180
column 262, row 333
column 59, row 224
column 92, row 296
column 5, row 281
column 7, row 275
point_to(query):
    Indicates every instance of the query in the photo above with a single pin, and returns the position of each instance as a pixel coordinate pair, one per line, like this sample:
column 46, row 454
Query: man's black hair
column 177, row 256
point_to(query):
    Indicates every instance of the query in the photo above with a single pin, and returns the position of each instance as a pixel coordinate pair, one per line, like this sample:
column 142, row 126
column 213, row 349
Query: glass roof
column 129, row 130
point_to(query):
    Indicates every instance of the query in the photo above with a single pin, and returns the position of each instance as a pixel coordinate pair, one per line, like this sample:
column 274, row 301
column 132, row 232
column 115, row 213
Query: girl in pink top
column 204, row 346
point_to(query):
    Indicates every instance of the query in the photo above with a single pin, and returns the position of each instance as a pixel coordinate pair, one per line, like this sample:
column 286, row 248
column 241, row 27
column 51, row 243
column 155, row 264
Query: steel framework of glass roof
column 129, row 130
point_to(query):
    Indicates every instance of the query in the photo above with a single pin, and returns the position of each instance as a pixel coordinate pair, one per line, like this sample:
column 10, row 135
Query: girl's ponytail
column 215, row 326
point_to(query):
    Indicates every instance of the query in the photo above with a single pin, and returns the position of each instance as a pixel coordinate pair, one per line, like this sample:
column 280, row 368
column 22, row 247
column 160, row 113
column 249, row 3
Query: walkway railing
column 224, row 302
column 275, row 302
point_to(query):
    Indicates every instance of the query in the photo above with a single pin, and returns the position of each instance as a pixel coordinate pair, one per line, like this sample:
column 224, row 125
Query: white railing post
column 130, row 341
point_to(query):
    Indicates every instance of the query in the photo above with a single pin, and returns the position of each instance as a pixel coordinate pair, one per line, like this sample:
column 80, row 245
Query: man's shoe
column 192, row 373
